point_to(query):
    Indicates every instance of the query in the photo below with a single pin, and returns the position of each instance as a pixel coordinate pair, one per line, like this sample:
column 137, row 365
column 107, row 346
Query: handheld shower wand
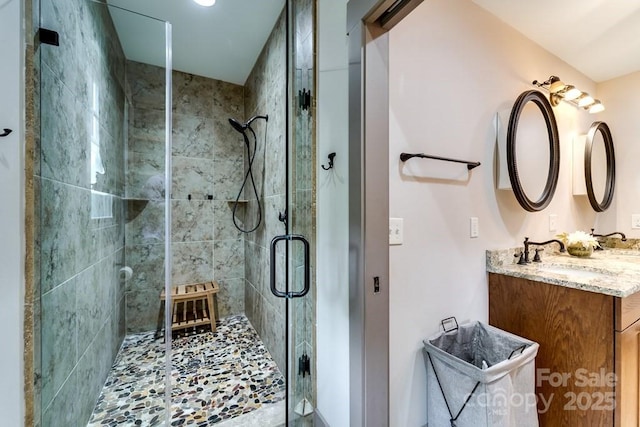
column 242, row 128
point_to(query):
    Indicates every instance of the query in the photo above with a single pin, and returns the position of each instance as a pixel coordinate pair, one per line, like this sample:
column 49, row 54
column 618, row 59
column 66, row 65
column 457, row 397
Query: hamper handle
column 450, row 321
column 518, row 350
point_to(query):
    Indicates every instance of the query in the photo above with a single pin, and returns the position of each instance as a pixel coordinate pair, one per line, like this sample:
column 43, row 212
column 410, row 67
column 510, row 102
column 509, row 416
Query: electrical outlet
column 553, row 222
column 635, row 221
column 474, row 227
column 396, row 231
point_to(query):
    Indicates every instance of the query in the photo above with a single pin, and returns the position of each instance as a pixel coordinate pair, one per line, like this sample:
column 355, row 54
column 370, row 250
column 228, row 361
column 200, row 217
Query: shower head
column 242, row 127
column 237, row 125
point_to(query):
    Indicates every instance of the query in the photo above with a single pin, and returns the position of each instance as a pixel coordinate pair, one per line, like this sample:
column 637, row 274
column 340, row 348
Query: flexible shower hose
column 247, row 175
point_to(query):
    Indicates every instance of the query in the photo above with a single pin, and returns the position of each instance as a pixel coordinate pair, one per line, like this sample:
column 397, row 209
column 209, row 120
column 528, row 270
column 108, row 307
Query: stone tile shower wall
column 79, row 248
column 207, row 173
column 265, row 93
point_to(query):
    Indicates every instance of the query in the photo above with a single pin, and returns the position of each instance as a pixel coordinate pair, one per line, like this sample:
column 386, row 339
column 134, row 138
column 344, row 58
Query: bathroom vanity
column 585, row 314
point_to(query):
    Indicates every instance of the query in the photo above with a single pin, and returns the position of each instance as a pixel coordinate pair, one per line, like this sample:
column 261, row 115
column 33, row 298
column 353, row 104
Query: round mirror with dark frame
column 530, row 202
column 592, row 145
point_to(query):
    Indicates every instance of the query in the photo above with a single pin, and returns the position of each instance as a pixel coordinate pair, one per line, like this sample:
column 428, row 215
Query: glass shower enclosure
column 136, row 169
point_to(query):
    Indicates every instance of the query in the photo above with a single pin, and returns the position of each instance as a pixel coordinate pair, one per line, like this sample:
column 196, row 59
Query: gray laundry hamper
column 479, row 375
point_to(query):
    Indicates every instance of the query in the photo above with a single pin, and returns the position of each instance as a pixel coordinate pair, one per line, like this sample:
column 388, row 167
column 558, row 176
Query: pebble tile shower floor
column 215, row 377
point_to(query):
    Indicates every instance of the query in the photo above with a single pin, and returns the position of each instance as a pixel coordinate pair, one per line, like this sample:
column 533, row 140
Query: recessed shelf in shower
column 133, row 208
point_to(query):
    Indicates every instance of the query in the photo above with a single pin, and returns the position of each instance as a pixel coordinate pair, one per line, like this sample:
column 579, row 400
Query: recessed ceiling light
column 206, row 3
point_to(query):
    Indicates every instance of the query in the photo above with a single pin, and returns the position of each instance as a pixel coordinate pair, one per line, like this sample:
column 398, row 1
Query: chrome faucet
column 599, row 248
column 527, row 243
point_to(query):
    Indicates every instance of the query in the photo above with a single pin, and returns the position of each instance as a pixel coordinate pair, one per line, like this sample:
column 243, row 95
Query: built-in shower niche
column 133, row 208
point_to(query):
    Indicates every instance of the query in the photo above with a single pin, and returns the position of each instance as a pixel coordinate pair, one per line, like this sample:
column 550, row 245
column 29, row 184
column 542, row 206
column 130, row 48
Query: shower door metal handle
column 307, row 274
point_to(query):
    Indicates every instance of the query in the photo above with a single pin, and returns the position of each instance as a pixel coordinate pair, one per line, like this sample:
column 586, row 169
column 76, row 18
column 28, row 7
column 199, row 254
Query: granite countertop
column 611, row 271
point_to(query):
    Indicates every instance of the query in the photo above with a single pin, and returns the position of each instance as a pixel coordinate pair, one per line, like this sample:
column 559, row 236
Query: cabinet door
column 628, row 376
column 575, row 331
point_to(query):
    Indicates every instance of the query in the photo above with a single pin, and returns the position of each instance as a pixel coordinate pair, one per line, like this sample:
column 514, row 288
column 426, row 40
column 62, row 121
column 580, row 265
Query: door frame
column 368, row 24
column 368, row 218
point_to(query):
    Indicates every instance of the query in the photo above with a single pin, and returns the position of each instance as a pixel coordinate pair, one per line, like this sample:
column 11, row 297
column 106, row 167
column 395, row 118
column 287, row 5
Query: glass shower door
column 301, row 308
column 279, row 254
column 99, row 180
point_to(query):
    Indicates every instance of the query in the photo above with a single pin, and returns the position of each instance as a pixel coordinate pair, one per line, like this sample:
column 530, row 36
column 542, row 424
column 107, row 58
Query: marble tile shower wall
column 78, row 254
column 265, row 93
column 208, row 160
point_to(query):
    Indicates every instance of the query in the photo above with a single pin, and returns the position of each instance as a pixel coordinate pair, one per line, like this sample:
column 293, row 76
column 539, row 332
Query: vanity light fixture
column 559, row 91
column 206, row 3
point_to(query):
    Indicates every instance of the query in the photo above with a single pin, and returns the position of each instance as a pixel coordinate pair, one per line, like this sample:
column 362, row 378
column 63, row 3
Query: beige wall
column 452, row 67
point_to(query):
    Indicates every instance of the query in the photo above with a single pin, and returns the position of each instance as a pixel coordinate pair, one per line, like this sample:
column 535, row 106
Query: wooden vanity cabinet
column 587, row 341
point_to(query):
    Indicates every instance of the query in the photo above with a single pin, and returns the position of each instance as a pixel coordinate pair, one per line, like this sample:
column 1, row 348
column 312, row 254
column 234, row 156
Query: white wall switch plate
column 553, row 222
column 635, row 221
column 474, row 227
column 396, row 231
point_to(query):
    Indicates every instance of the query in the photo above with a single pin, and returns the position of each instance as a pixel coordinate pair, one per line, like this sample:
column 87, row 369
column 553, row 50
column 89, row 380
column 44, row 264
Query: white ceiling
column 220, row 42
column 600, row 38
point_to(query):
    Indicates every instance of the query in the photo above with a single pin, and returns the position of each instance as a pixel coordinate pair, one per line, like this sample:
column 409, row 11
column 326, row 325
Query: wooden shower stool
column 192, row 305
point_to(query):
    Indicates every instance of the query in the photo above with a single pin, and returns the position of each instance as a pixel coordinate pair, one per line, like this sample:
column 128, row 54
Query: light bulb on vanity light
column 585, row 100
column 596, row 107
column 571, row 93
column 206, row 3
